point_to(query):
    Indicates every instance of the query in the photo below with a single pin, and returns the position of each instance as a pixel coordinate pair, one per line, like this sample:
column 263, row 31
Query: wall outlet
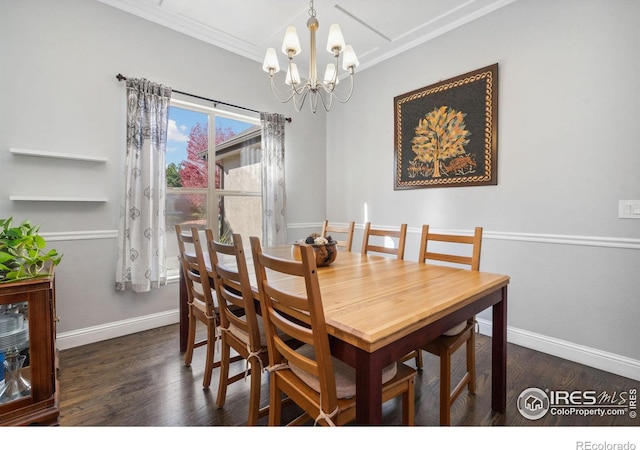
column 629, row 209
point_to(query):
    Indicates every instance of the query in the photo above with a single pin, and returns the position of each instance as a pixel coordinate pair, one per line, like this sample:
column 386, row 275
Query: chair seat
column 444, row 343
column 202, row 307
column 345, row 374
column 456, row 330
column 244, row 336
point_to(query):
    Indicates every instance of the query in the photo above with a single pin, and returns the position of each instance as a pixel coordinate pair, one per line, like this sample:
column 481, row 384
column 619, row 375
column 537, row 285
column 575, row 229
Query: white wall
column 567, row 152
column 58, row 62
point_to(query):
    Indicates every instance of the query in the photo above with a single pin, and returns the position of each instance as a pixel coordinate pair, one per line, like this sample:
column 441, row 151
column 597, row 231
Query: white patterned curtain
column 141, row 238
column 274, row 223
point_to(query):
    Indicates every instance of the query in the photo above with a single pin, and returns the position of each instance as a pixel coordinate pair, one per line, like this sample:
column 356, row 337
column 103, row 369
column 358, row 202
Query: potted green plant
column 22, row 252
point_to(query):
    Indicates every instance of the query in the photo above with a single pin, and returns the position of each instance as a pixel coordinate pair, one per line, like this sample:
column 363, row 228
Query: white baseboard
column 609, row 362
column 112, row 330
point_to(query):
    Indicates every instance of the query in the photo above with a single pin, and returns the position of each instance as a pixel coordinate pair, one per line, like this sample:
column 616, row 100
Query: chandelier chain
column 312, row 11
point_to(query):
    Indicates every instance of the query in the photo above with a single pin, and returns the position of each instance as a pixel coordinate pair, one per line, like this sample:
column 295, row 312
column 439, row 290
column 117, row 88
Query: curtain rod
column 121, row 77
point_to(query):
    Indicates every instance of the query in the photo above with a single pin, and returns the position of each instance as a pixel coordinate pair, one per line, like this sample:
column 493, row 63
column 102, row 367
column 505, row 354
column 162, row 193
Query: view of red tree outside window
column 193, row 172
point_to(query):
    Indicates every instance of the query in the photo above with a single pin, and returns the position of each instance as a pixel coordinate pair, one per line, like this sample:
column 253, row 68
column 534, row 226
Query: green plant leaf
column 40, row 242
column 4, row 257
column 13, row 232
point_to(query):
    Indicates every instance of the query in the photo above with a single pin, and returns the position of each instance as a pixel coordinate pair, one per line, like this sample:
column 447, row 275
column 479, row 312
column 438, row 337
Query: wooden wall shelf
column 56, row 155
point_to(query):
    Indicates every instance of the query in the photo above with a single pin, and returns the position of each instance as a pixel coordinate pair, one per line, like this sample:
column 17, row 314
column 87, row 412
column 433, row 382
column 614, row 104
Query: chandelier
column 312, row 87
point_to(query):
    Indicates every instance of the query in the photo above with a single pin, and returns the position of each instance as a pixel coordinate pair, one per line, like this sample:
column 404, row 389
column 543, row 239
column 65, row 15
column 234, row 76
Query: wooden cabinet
column 27, row 328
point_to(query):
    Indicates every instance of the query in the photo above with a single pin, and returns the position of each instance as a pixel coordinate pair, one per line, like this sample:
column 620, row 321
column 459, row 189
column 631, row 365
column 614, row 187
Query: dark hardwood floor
column 141, row 380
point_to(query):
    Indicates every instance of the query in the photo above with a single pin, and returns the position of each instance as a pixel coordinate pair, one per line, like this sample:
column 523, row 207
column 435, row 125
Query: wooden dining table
column 378, row 309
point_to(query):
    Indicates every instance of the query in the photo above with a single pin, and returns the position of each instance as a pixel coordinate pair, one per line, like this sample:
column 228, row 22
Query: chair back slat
column 473, row 242
column 343, row 231
column 369, row 244
column 194, row 268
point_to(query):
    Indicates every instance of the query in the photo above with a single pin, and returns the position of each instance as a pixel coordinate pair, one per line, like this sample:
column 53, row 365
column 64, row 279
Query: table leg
column 368, row 389
column 499, row 355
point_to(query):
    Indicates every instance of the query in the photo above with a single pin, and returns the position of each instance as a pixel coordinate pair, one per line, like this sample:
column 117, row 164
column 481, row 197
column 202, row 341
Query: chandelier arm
column 295, row 94
column 345, row 100
column 326, row 102
column 334, row 81
column 305, row 87
column 277, row 94
column 298, row 100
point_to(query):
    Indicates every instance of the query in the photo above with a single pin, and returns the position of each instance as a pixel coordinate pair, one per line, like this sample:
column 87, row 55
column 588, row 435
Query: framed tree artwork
column 446, row 134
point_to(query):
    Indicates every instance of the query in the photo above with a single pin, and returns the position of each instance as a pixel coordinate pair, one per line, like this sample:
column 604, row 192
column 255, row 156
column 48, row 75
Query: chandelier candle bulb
column 293, row 76
column 291, row 43
column 335, row 40
column 349, row 59
column 271, row 61
column 331, row 74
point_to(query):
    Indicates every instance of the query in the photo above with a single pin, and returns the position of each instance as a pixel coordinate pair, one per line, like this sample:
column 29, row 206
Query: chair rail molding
column 563, row 239
column 590, row 241
column 80, row 235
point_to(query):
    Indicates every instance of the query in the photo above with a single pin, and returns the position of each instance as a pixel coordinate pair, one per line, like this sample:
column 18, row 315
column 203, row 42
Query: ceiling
column 377, row 29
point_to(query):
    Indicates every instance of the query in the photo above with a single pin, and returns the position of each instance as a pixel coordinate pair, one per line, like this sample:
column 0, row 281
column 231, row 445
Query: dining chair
column 321, row 385
column 371, row 241
column 373, row 236
column 343, row 231
column 240, row 328
column 445, row 345
column 201, row 304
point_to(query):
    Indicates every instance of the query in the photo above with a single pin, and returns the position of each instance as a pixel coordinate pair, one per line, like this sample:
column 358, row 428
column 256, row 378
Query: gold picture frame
column 446, row 134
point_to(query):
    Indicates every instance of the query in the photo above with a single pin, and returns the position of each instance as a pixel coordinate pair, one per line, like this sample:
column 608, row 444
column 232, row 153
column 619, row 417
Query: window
column 223, row 192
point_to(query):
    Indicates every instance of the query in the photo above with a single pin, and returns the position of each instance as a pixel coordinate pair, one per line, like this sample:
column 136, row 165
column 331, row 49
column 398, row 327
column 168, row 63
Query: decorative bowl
column 325, row 253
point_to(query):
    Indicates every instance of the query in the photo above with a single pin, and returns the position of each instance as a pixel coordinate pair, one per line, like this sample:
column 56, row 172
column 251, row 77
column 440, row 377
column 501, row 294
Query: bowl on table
column 325, row 253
